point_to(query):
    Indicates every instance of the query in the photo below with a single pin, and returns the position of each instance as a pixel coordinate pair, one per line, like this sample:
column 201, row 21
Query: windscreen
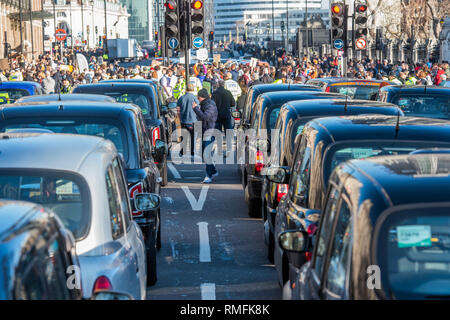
column 425, row 106
column 414, row 251
column 8, row 96
column 360, row 92
column 64, row 194
column 136, row 98
column 107, row 129
column 357, row 150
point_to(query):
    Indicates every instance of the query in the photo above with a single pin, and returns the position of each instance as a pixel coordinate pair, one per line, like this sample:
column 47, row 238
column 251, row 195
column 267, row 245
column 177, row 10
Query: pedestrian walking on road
column 224, row 101
column 187, row 114
column 207, row 113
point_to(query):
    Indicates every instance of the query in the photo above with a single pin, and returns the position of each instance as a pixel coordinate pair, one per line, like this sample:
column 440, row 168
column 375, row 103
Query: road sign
column 198, row 42
column 173, row 43
column 202, row 54
column 361, row 43
column 338, row 44
column 60, row 34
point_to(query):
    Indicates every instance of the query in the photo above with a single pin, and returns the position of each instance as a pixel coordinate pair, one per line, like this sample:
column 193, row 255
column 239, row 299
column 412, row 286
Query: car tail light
column 311, row 229
column 259, row 161
column 156, row 135
column 327, row 89
column 308, row 256
column 134, row 190
column 102, row 284
column 282, row 190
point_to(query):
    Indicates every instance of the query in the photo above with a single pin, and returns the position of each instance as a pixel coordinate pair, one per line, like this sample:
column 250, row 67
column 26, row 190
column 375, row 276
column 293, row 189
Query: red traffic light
column 362, row 8
column 171, row 5
column 337, row 9
column 212, row 32
column 197, row 5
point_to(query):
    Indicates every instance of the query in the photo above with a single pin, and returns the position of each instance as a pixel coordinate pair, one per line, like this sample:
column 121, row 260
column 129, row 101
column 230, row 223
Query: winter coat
column 207, row 113
column 224, row 101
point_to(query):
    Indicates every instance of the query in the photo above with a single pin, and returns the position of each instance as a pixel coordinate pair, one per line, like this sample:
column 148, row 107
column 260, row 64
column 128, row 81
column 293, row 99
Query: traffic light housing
column 361, row 19
column 339, row 21
column 211, row 36
column 172, row 19
column 197, row 18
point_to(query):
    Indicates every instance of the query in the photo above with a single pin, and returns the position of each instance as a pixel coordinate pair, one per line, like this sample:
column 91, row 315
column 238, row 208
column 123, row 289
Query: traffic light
column 338, row 22
column 282, row 26
column 361, row 18
column 156, row 36
column 172, row 19
column 197, row 18
column 211, row 36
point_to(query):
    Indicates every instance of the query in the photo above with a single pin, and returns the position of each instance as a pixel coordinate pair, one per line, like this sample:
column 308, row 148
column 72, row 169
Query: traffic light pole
column 187, row 20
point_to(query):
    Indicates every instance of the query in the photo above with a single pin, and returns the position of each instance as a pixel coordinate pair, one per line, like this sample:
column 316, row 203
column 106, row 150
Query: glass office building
column 140, row 20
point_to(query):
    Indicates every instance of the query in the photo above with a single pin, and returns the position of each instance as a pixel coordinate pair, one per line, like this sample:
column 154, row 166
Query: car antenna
column 397, row 126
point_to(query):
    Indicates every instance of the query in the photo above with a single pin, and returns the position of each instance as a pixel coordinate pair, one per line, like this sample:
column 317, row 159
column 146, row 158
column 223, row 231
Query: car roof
column 13, row 213
column 65, row 108
column 417, row 89
column 324, row 106
column 373, row 127
column 64, row 152
column 18, row 84
column 111, row 86
column 423, row 178
column 262, row 88
column 66, row 97
column 338, row 80
column 281, row 96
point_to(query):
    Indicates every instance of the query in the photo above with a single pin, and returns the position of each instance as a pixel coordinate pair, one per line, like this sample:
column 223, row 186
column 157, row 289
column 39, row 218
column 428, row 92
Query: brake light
column 259, row 161
column 327, row 89
column 156, row 135
column 282, row 190
column 134, row 190
column 102, row 284
column 308, row 256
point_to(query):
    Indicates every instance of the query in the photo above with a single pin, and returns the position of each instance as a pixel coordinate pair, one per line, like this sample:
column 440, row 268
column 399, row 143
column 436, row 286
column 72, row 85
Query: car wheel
column 151, row 262
column 254, row 205
column 164, row 175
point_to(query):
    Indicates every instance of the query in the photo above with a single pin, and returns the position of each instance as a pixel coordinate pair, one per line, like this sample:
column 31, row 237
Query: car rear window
column 138, row 99
column 414, row 253
column 8, row 96
column 106, row 128
column 358, row 150
column 362, row 92
column 424, row 106
column 66, row 194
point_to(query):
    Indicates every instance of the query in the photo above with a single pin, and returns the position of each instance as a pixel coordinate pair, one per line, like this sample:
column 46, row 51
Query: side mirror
column 146, row 201
column 236, row 114
column 293, row 241
column 109, row 295
column 277, row 175
column 160, row 148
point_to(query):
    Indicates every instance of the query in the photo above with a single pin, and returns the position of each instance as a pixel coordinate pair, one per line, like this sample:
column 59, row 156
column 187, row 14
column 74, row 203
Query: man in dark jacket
column 207, row 113
column 187, row 114
column 224, row 101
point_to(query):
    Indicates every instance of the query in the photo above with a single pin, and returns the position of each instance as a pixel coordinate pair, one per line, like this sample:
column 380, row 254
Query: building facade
column 21, row 28
column 260, row 19
column 84, row 20
column 140, row 23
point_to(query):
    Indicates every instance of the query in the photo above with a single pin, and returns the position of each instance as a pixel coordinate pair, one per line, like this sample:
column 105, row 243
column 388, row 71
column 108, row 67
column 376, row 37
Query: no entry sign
column 361, row 43
column 60, row 34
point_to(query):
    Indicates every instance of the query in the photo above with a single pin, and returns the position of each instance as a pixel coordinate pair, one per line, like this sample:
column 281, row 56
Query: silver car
column 80, row 178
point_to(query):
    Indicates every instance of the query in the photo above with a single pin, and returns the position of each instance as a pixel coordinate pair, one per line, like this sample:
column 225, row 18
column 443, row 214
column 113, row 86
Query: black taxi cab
column 327, row 142
column 384, row 232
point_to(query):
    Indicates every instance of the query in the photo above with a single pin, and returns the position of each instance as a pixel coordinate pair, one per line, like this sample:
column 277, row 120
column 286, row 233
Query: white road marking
column 196, row 205
column 173, row 170
column 205, row 250
column 208, row 291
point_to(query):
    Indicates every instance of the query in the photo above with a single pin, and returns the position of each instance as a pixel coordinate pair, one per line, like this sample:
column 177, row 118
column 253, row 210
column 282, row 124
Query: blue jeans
column 210, row 168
